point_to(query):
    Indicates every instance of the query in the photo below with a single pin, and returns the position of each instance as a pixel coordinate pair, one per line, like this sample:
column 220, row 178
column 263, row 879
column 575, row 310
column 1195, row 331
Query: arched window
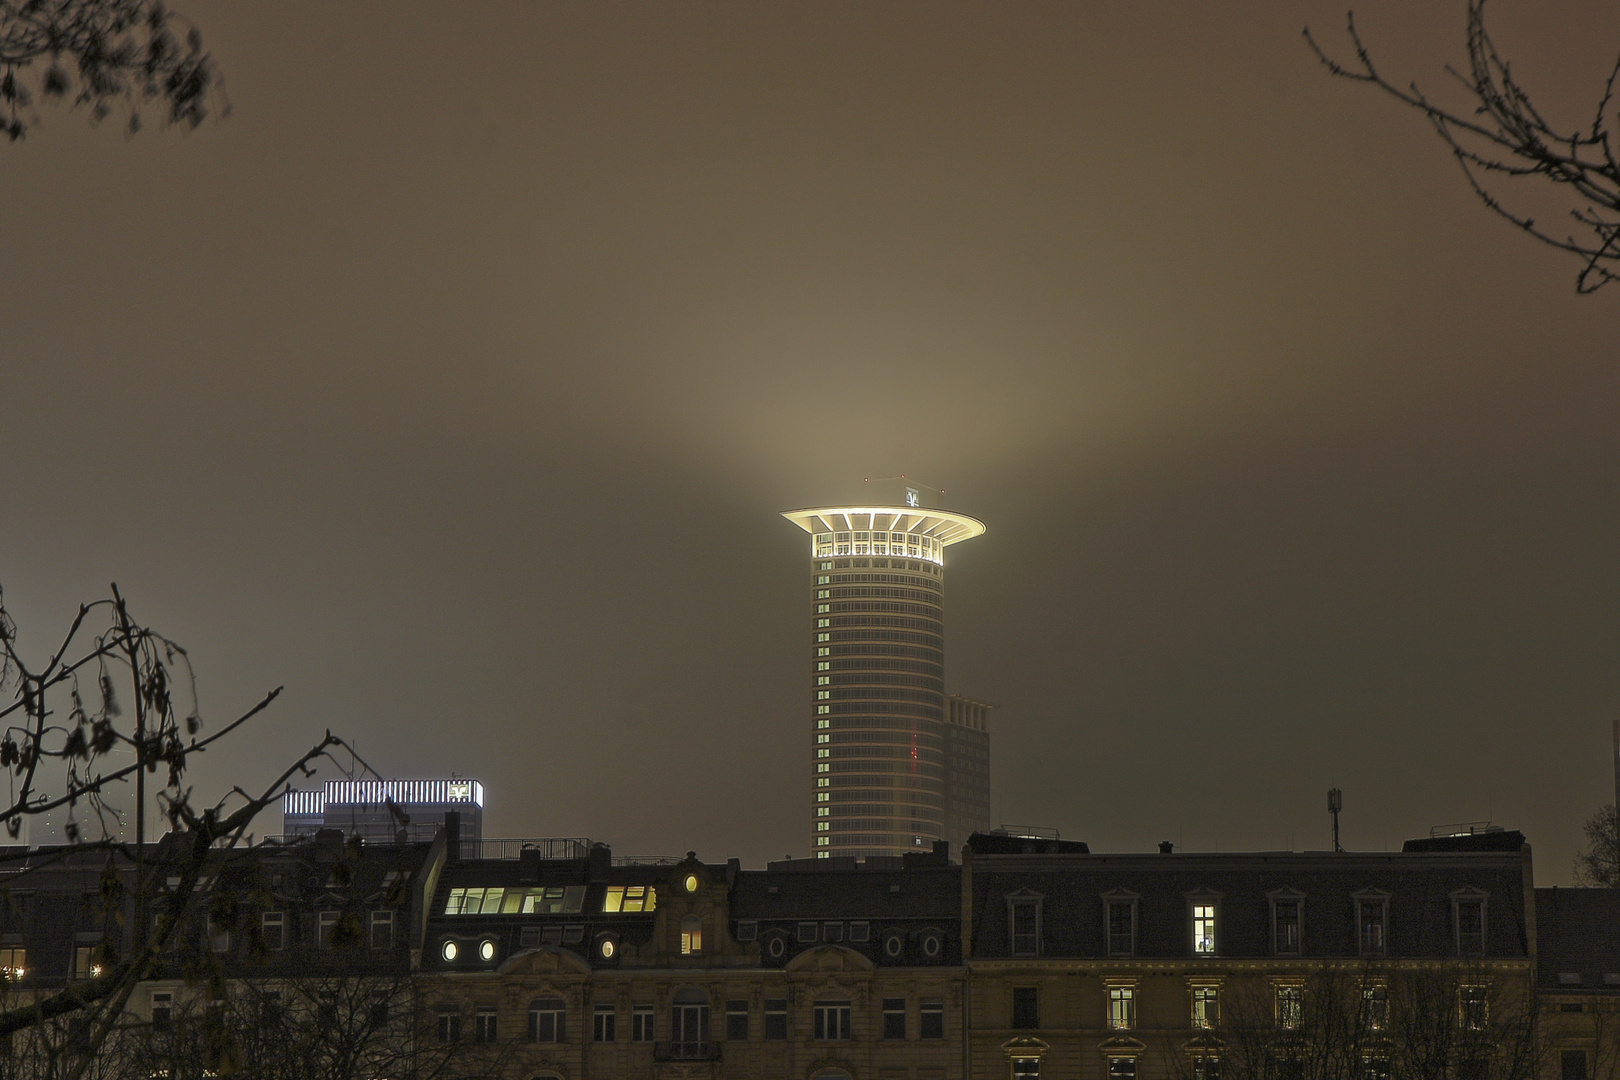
column 689, row 1023
column 691, row 935
column 548, row 1019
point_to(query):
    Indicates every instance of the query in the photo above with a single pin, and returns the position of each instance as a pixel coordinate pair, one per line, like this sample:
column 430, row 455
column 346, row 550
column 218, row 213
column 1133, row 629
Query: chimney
column 452, row 833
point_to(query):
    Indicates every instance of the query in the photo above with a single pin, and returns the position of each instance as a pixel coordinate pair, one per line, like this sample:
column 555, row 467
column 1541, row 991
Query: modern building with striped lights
column 386, row 810
column 878, row 710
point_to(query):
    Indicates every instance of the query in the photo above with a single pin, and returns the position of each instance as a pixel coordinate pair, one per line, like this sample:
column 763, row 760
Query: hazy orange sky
column 457, row 380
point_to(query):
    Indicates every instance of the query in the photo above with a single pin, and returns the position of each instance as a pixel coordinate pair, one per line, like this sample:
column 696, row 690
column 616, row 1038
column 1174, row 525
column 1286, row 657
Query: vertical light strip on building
column 878, row 675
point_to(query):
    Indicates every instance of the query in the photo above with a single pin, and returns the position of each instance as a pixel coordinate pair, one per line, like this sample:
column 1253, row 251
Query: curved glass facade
column 878, row 677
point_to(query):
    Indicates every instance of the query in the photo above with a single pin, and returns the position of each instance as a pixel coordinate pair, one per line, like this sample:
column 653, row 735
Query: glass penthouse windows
column 629, row 898
column 909, row 545
column 551, row 900
column 545, row 900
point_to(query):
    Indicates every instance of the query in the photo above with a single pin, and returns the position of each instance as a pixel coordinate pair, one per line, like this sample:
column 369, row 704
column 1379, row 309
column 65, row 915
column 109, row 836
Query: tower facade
column 877, row 630
column 967, row 768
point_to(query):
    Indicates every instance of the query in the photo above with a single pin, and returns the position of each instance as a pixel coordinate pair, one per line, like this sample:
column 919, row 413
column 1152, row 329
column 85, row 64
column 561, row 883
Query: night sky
column 457, row 381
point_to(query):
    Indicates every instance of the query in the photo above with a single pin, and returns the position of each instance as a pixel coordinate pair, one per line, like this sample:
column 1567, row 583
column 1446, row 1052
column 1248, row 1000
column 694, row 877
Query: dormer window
column 1203, row 916
column 1468, row 921
column 1024, row 923
column 1119, row 914
column 1287, row 922
column 1372, row 922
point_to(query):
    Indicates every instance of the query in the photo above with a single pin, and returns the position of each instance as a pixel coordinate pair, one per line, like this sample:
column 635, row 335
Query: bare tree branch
column 107, row 55
column 1505, row 135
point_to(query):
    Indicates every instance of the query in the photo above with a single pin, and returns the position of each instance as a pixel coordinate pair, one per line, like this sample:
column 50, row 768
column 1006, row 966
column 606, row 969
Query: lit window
column 13, row 963
column 629, row 899
column 1290, row 1007
column 1471, row 1008
column 86, row 961
column 1122, row 1007
column 1203, row 929
column 1375, row 1007
column 1206, row 1006
column 832, row 1019
column 450, row 950
column 691, row 935
column 548, row 1021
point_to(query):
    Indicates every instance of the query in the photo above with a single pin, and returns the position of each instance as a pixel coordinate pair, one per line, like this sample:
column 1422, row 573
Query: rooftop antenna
column 1335, row 804
column 914, row 488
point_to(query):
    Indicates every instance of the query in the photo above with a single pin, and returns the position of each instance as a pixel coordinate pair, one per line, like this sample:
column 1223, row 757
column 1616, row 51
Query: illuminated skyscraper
column 878, row 674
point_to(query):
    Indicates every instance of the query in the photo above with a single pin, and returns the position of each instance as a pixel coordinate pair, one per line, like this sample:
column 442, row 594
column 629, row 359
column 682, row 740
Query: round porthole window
column 607, row 949
column 486, row 949
column 449, row 951
column 691, row 883
column 930, row 945
column 776, row 947
column 893, row 945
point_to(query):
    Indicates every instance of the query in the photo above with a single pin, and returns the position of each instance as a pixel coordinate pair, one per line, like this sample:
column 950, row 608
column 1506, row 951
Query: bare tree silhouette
column 105, row 54
column 71, row 744
column 1503, row 136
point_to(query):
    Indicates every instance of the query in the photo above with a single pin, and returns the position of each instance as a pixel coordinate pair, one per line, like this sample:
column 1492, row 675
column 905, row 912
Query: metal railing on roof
column 1026, row 832
column 1464, row 828
column 647, row 860
column 545, row 847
